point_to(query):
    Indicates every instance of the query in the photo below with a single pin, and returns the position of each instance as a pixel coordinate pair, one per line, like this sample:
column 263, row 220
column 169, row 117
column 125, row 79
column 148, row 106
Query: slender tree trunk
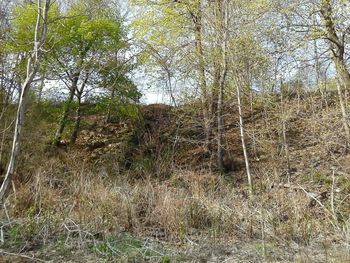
column 63, row 121
column 346, row 96
column 32, row 69
column 170, row 87
column 109, row 112
column 223, row 25
column 17, row 134
column 79, row 94
column 318, row 70
column 65, row 115
column 220, row 130
column 197, row 20
column 251, row 98
column 244, row 147
column 2, row 74
column 284, row 132
column 41, row 88
column 285, row 146
column 77, row 121
column 344, row 114
column 3, row 142
column 216, row 85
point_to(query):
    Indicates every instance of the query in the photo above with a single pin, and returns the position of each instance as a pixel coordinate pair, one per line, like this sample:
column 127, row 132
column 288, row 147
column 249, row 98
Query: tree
column 222, row 24
column 84, row 37
column 113, row 80
column 324, row 25
column 33, row 64
column 179, row 25
column 337, row 45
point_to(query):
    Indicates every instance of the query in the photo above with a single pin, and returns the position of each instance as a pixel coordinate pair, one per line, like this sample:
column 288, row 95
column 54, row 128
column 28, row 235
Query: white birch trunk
column 32, row 69
column 244, row 147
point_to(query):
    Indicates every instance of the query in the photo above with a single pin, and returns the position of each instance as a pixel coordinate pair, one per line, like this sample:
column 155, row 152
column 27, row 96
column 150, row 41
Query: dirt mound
column 156, row 113
column 163, row 136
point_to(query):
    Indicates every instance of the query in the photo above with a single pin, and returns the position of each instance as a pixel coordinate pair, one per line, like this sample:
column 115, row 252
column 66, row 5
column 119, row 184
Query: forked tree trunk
column 79, row 94
column 64, row 119
column 170, row 86
column 67, row 106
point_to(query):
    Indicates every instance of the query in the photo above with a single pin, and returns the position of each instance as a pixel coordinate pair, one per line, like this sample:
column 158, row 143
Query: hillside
column 143, row 190
column 175, row 131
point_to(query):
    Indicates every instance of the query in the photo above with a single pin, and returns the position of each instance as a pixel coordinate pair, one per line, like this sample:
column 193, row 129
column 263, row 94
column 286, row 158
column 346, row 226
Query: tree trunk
column 170, row 87
column 337, row 48
column 3, row 141
column 67, row 106
column 32, row 69
column 342, row 71
column 41, row 88
column 284, row 132
column 197, row 20
column 223, row 24
column 17, row 133
column 109, row 112
column 77, row 121
column 220, row 129
column 344, row 114
column 244, row 147
column 79, row 94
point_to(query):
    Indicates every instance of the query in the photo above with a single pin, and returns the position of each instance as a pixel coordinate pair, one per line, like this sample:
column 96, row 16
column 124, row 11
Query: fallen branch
column 22, row 256
column 317, row 201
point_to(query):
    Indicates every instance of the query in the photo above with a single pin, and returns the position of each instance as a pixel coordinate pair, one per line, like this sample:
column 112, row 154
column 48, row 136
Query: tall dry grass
column 73, row 201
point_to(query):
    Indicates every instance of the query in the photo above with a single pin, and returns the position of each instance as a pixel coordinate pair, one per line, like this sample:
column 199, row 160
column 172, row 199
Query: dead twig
column 311, row 195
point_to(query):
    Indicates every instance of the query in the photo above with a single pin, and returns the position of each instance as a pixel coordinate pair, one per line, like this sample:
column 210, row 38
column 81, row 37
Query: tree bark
column 170, row 86
column 197, row 20
column 244, row 147
column 344, row 114
column 223, row 24
column 337, row 48
column 284, row 132
column 65, row 115
column 41, row 88
column 109, row 112
column 77, row 121
column 2, row 142
column 79, row 94
column 17, row 134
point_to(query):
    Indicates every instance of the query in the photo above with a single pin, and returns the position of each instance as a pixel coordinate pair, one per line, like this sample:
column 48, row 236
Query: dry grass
column 189, row 207
column 71, row 203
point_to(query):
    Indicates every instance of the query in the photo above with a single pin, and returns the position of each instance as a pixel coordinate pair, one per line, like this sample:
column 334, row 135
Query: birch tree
column 33, row 64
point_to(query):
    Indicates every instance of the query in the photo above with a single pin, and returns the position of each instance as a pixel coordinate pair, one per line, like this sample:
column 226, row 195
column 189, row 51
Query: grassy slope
column 144, row 191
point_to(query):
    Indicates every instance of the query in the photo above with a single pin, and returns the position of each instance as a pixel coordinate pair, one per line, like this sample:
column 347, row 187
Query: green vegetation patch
column 130, row 249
